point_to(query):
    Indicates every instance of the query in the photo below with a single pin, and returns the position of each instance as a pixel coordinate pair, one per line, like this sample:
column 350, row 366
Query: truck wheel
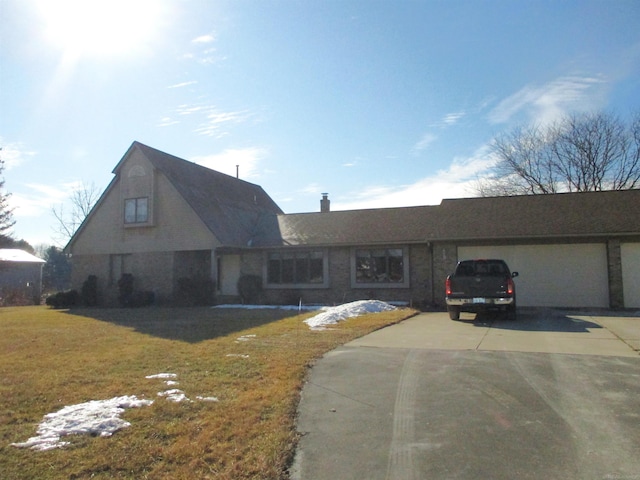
column 454, row 312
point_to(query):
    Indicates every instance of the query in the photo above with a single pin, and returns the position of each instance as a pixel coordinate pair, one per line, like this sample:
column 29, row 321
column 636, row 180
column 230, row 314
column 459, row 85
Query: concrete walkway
column 553, row 395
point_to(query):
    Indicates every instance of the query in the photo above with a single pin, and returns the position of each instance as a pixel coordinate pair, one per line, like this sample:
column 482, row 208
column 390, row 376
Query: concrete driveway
column 553, row 395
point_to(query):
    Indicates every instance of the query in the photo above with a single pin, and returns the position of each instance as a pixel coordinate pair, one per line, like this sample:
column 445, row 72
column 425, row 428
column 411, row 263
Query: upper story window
column 296, row 268
column 136, row 210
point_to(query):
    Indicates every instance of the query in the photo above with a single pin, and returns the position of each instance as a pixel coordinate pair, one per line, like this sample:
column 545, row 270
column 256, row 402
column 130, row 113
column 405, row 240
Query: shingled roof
column 565, row 215
column 228, row 206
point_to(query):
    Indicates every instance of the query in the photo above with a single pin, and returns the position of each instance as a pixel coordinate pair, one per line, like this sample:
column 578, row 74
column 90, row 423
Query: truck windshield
column 471, row 268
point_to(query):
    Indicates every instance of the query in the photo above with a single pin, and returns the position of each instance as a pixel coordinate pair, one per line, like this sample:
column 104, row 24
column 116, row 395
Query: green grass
column 52, row 358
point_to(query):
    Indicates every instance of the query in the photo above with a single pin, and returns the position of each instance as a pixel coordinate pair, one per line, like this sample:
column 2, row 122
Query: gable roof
column 228, row 206
column 519, row 217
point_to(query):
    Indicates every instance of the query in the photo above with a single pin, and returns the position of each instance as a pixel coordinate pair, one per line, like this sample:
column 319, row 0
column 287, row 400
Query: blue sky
column 380, row 103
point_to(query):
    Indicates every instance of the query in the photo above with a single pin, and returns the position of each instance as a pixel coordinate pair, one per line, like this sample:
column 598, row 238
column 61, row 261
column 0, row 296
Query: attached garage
column 559, row 275
column 630, row 253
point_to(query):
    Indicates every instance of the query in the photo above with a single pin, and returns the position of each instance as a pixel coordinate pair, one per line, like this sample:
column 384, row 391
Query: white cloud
column 208, row 38
column 455, row 182
column 13, row 154
column 39, row 198
column 209, row 54
column 167, row 121
column 247, row 160
column 547, row 103
column 183, row 84
column 426, row 140
column 452, row 118
column 213, row 120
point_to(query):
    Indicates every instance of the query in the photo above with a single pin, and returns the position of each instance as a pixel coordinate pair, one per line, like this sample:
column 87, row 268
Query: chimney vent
column 325, row 203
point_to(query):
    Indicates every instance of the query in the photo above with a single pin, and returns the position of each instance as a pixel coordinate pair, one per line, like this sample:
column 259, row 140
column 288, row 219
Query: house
column 20, row 277
column 163, row 218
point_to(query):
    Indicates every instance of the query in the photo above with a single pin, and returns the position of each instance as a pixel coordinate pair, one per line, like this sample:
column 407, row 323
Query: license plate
column 479, row 300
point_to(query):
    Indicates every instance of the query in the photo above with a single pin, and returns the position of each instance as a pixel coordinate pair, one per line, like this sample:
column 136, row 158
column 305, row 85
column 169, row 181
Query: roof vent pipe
column 325, row 203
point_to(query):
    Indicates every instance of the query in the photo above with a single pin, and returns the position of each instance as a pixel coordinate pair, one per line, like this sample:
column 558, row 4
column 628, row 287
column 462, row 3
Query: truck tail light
column 510, row 286
column 447, row 286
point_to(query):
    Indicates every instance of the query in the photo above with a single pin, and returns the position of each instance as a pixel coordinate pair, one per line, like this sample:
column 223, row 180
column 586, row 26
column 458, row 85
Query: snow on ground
column 102, row 417
column 329, row 315
column 162, row 375
column 97, row 418
column 174, row 395
column 333, row 315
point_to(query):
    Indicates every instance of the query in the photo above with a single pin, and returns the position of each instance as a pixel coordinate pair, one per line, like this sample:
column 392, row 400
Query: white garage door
column 631, row 274
column 553, row 275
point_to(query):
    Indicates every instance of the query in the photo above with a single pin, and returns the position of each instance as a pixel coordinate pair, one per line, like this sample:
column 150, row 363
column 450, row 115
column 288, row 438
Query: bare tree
column 82, row 201
column 587, row 152
column 6, row 213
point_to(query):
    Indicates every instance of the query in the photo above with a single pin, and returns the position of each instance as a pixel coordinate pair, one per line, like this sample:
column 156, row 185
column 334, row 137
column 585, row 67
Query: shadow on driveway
column 536, row 320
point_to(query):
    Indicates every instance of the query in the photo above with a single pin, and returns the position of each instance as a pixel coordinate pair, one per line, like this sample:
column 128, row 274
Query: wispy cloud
column 183, row 84
column 426, row 140
column 546, row 103
column 205, row 52
column 207, row 38
column 457, row 181
column 211, row 121
column 214, row 123
column 167, row 122
column 38, row 198
column 247, row 160
column 13, row 154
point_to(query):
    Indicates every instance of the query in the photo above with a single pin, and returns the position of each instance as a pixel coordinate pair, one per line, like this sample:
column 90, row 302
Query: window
column 136, row 210
column 295, row 268
column 380, row 266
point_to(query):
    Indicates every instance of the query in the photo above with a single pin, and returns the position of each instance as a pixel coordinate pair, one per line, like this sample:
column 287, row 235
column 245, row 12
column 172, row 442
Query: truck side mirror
column 514, row 274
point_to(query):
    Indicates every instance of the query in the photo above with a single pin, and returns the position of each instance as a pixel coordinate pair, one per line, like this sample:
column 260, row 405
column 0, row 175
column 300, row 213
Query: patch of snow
column 333, row 315
column 163, row 375
column 240, row 355
column 97, row 418
column 174, row 395
column 207, row 399
column 171, row 383
column 245, row 338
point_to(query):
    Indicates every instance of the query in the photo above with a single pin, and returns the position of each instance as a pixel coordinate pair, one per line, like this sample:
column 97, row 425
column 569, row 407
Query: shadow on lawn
column 187, row 324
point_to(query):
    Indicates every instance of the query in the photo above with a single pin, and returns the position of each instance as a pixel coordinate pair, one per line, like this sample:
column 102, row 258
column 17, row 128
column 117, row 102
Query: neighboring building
column 20, row 277
column 163, row 218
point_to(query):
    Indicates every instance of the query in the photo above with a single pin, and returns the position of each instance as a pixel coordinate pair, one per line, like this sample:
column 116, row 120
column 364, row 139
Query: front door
column 228, row 274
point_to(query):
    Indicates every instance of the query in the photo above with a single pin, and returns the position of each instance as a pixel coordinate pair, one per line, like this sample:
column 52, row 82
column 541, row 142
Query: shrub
column 63, row 299
column 250, row 288
column 129, row 297
column 89, row 292
column 125, row 289
column 142, row 299
column 195, row 291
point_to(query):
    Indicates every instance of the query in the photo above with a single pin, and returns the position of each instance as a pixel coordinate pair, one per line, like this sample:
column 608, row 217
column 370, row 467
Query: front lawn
column 241, row 371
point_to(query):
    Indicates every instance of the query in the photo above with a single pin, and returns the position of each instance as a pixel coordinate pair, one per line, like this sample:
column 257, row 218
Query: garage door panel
column 560, row 275
column 630, row 253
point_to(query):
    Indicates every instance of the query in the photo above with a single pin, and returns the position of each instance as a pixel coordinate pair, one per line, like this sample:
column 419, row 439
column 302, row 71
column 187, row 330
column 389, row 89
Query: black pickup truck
column 480, row 285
